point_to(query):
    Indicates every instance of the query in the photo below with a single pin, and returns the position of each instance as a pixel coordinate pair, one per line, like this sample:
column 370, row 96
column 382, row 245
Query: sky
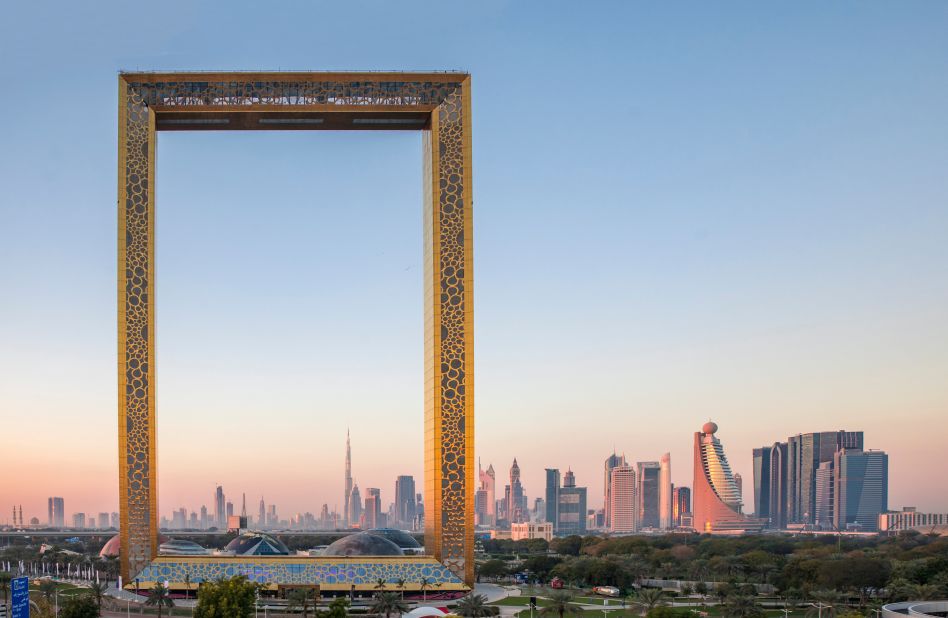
column 683, row 211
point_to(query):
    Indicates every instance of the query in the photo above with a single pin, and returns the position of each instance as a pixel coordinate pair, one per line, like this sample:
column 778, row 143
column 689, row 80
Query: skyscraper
column 770, row 484
column 665, row 493
column 57, row 512
column 824, row 496
column 622, row 496
column 346, row 522
column 552, row 496
column 861, row 490
column 243, row 505
column 220, row 508
column 514, row 496
column 204, row 525
column 682, row 504
column 355, row 506
column 404, row 502
column 805, row 454
column 571, row 507
column 739, row 483
column 716, row 501
column 611, row 462
column 488, row 484
column 262, row 517
column 647, row 495
column 373, row 506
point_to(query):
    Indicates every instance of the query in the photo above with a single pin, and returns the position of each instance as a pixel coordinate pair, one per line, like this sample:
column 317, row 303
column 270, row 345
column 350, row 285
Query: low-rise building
column 531, row 530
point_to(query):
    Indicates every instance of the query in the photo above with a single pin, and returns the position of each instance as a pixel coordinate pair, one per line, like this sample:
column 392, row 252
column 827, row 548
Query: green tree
column 158, row 597
column 493, row 569
column 47, row 588
column 824, row 604
column 742, row 606
column 474, row 606
column 561, row 603
column 235, row 597
column 97, row 591
column 567, row 545
column 647, row 599
column 338, row 608
column 300, row 598
column 79, row 606
column 388, row 603
column 5, row 585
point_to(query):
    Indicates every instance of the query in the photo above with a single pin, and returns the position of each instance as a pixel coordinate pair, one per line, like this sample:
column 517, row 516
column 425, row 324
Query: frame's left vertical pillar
column 138, row 475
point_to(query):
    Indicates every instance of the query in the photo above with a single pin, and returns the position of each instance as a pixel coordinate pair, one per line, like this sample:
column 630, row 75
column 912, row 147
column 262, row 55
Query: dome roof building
column 363, row 544
column 256, row 544
column 181, row 547
column 399, row 537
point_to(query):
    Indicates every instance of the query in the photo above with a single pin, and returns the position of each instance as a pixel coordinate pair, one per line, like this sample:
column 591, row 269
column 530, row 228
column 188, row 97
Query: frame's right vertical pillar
column 449, row 336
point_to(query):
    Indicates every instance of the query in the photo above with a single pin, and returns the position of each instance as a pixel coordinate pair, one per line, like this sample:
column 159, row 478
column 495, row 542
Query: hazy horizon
column 681, row 212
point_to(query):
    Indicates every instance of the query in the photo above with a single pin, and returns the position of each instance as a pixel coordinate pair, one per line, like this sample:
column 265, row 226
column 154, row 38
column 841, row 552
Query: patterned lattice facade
column 327, row 573
column 150, row 102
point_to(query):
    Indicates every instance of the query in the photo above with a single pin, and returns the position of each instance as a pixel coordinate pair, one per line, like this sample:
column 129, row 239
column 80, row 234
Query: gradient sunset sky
column 683, row 211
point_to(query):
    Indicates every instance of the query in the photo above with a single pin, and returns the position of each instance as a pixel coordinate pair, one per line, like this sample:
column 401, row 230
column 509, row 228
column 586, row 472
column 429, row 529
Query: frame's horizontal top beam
column 256, row 119
column 450, row 77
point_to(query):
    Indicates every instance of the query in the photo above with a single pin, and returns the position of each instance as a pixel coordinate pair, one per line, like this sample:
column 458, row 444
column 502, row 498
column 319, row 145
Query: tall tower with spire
column 345, row 511
column 243, row 505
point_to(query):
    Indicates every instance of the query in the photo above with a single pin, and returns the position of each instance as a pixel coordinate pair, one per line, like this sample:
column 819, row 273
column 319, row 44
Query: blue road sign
column 20, row 597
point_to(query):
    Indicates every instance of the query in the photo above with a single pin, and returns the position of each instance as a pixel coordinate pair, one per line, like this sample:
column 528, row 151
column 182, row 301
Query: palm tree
column 560, row 604
column 48, row 589
column 400, row 583
column 300, row 598
column 187, row 584
column 474, row 606
column 380, row 584
column 5, row 586
column 742, row 606
column 158, row 597
column 388, row 603
column 425, row 583
column 648, row 599
column 98, row 590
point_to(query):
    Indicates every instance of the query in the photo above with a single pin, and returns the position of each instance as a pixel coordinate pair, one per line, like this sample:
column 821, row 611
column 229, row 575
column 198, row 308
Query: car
column 606, row 591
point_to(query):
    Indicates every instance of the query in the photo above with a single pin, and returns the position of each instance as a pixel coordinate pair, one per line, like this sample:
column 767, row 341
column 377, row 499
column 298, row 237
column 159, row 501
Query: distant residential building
column 57, row 512
column 909, row 518
column 539, row 509
column 571, row 507
column 230, row 510
column 716, row 503
column 647, row 495
column 204, row 522
column 622, row 496
column 612, row 461
column 665, row 508
column 262, row 516
column 79, row 520
column 862, row 488
column 480, row 508
column 531, row 530
column 115, row 520
column 681, row 503
column 739, row 483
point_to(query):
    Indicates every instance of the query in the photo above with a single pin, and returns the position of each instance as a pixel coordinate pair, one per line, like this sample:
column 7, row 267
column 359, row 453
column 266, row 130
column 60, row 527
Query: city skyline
column 758, row 240
column 389, row 500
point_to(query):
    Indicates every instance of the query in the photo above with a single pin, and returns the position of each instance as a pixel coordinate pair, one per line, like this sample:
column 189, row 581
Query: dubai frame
column 438, row 105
